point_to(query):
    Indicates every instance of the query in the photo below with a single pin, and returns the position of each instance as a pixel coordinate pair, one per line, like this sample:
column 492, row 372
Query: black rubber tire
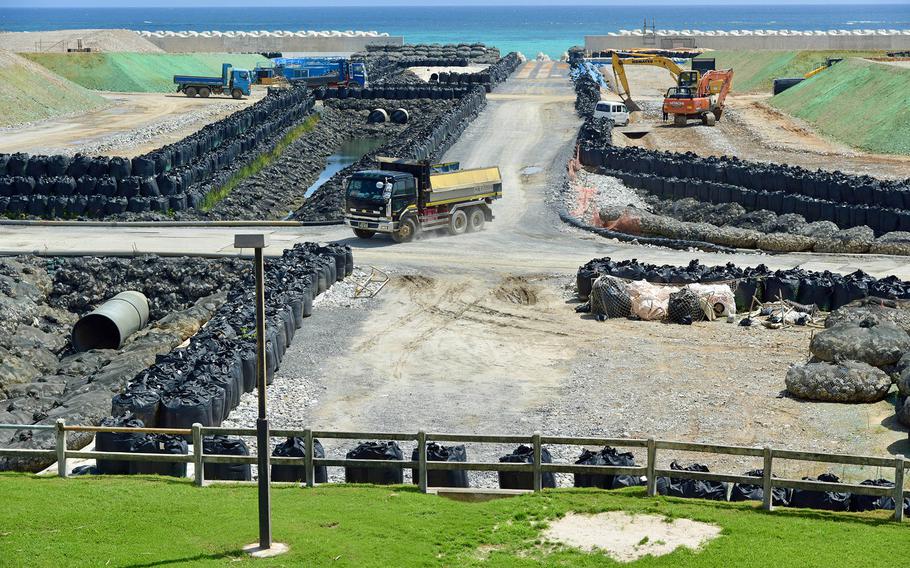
column 190, row 92
column 406, row 232
column 237, row 94
column 458, row 222
column 364, row 233
column 204, row 92
column 476, row 220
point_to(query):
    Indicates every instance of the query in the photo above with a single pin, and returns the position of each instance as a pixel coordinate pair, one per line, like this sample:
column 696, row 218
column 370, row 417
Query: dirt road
column 750, row 129
column 133, row 124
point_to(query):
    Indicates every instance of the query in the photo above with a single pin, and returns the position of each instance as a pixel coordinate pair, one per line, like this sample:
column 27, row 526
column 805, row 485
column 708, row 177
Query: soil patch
column 626, row 537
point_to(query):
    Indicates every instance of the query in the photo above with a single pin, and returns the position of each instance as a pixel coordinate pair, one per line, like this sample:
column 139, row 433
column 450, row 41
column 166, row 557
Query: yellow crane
column 682, row 77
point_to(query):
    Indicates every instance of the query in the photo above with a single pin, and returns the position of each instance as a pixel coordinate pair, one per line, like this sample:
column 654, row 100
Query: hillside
column 754, row 71
column 31, row 92
column 862, row 103
column 138, row 72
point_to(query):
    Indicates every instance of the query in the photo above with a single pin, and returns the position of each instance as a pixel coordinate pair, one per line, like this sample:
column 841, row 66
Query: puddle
column 531, row 170
column 347, row 154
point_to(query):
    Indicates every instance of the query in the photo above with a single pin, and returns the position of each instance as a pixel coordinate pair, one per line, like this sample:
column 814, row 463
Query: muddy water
column 347, row 154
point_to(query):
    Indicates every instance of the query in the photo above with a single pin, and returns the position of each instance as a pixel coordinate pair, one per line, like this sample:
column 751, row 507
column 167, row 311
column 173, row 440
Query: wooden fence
column 537, row 469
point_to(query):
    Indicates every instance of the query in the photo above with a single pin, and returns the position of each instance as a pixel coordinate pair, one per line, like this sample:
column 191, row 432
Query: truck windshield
column 366, row 188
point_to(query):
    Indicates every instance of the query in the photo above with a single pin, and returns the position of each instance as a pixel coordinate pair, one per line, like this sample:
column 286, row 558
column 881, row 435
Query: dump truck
column 404, row 197
column 321, row 71
column 235, row 82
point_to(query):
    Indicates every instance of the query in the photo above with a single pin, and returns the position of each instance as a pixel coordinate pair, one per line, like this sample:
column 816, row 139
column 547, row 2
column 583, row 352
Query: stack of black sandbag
column 691, row 488
column 159, row 444
column 825, row 500
column 748, row 492
column 607, row 456
column 443, row 478
column 521, row 480
column 222, row 445
column 296, row 448
column 386, row 475
column 117, row 442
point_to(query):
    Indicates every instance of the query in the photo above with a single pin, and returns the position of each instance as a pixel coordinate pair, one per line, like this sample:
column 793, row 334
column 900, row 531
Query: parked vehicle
column 320, row 71
column 703, row 101
column 404, row 197
column 613, row 110
column 235, row 82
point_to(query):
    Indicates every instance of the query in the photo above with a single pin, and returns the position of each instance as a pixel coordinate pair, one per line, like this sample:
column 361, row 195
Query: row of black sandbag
column 834, row 186
column 826, row 290
column 433, row 140
column 203, row 382
column 587, row 94
column 783, row 497
column 880, row 217
column 53, row 206
column 393, row 92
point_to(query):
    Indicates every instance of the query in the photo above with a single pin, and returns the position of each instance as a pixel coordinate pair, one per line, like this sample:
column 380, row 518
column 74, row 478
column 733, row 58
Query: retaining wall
column 264, row 44
column 767, row 42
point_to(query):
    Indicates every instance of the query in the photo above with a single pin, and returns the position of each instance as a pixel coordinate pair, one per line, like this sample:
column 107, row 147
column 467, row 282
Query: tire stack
column 172, row 178
column 204, row 381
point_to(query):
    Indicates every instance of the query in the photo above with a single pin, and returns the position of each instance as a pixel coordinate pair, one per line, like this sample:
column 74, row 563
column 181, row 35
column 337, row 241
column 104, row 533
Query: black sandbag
column 106, row 186
column 143, row 166
column 691, row 488
column 119, row 168
column 185, row 407
column 388, row 475
column 248, row 360
column 521, row 480
column 815, row 290
column 57, row 165
column 141, row 402
column 36, row 167
column 606, row 457
column 781, row 286
column 159, row 444
column 129, row 187
column 825, row 500
column 116, row 442
column 584, row 279
column 747, row 492
column 859, row 503
column 79, row 166
column 296, row 448
column 222, row 445
column 746, row 290
column 854, row 286
column 17, row 164
column 442, row 478
column 148, row 187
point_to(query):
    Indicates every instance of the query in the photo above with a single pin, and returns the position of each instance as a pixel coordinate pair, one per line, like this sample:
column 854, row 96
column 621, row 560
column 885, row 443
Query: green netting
column 138, row 72
column 755, row 71
column 859, row 102
column 28, row 95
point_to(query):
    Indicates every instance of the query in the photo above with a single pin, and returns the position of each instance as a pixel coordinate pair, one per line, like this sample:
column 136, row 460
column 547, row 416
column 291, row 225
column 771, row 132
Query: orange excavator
column 703, row 101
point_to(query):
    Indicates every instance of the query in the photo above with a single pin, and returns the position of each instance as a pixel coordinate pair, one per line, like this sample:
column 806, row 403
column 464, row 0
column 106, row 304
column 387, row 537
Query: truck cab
column 241, row 79
column 376, row 200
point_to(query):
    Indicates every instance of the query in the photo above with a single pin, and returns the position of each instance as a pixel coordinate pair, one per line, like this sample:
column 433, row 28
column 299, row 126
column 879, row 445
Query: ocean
column 528, row 29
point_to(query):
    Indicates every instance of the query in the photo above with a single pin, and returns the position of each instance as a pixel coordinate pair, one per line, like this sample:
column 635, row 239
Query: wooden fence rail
column 536, row 468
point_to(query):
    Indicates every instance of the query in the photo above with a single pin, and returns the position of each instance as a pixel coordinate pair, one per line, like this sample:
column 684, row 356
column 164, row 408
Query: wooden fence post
column 538, row 478
column 651, row 466
column 310, row 471
column 899, row 488
column 422, row 461
column 61, row 448
column 767, row 489
column 198, row 466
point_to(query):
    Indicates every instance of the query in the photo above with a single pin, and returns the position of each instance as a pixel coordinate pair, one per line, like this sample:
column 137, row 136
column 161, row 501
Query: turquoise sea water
column 529, row 29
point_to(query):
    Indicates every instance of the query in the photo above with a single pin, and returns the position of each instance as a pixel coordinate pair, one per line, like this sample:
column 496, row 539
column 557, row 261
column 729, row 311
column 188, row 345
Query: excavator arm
column 619, row 72
column 717, row 83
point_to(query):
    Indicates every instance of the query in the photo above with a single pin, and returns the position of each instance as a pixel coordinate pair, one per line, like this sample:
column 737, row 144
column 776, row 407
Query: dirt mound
column 31, row 92
column 61, row 40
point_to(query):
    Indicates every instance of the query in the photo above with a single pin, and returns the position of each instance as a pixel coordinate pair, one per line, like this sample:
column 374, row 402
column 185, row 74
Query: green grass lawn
column 137, row 522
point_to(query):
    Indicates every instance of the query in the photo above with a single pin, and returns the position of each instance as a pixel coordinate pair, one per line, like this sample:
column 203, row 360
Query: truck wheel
column 204, row 92
column 679, row 120
column 364, row 234
column 708, row 119
column 458, row 222
column 476, row 220
column 237, row 94
column 190, row 91
column 406, row 231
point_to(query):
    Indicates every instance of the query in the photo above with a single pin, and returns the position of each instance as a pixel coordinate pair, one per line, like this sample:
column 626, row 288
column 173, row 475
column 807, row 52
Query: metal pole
column 262, row 423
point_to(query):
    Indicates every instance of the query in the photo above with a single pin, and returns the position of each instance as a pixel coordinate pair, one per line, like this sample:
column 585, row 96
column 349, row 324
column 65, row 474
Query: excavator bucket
column 630, row 104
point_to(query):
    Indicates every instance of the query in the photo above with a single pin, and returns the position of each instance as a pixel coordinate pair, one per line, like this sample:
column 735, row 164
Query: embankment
column 862, row 103
column 755, row 70
column 30, row 92
column 138, row 72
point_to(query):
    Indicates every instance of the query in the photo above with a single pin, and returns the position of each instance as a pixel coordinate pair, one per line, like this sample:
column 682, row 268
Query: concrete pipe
column 112, row 323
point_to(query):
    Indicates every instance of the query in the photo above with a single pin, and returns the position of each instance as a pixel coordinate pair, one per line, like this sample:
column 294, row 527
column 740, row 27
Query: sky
column 316, row 3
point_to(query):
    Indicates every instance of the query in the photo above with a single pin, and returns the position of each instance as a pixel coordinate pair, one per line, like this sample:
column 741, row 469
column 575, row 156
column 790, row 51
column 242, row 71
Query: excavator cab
column 688, row 79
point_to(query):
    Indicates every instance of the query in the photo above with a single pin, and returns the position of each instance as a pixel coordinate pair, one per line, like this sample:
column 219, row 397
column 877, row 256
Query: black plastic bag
column 116, row 442
column 825, row 500
column 389, row 475
column 141, row 402
column 443, row 478
column 296, row 448
column 747, row 492
column 222, row 445
column 521, row 480
column 159, row 444
column 607, row 456
column 691, row 488
column 860, row 503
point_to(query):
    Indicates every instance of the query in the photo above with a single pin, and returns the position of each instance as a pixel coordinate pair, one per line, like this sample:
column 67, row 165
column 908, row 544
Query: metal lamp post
column 265, row 547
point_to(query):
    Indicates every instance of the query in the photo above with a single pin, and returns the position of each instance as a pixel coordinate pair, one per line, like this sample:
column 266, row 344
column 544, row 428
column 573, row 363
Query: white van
column 612, row 109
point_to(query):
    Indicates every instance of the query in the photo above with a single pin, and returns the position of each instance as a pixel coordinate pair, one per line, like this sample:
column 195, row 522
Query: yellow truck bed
column 451, row 187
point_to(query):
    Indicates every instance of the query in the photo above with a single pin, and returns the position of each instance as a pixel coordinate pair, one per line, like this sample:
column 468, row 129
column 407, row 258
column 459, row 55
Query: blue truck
column 233, row 82
column 321, row 71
